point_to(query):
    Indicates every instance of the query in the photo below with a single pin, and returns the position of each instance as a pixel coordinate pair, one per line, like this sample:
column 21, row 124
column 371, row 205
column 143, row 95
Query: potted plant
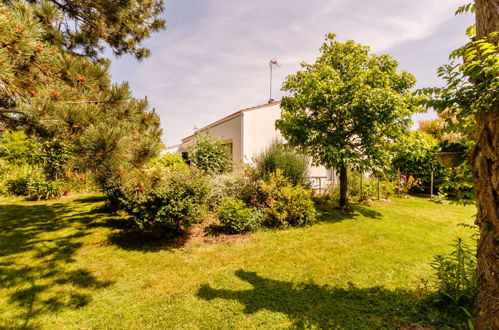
column 452, row 154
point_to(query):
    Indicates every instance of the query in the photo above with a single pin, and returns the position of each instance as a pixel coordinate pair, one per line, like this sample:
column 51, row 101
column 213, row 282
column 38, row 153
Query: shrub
column 17, row 148
column 162, row 200
column 223, row 185
column 236, row 217
column 18, row 186
column 43, row 189
column 172, row 160
column 35, row 188
column 294, row 166
column 286, row 204
column 210, row 155
column 455, row 274
column 455, row 282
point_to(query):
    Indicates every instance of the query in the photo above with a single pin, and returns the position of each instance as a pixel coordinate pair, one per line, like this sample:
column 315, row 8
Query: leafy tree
column 470, row 102
column 85, row 28
column 210, row 155
column 346, row 107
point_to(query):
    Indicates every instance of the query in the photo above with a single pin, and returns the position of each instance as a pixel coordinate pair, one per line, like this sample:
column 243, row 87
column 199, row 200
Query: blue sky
column 213, row 58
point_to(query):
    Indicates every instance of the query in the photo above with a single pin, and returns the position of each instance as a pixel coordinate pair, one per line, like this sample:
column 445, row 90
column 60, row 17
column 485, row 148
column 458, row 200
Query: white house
column 248, row 132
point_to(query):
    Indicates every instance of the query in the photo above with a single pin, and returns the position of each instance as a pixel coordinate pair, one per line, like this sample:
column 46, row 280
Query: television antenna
column 273, row 62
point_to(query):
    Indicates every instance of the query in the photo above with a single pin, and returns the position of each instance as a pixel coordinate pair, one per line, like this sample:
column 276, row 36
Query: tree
column 470, row 101
column 59, row 96
column 346, row 107
column 85, row 27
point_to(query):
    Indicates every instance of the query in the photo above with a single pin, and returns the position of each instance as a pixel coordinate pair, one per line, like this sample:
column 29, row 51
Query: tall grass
column 294, row 165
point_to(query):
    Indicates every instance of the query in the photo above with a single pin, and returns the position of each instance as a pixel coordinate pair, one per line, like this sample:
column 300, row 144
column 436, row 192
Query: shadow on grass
column 331, row 213
column 309, row 305
column 37, row 250
column 135, row 239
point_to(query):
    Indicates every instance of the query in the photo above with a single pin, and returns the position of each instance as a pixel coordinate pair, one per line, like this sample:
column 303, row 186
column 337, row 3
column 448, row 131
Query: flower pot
column 450, row 158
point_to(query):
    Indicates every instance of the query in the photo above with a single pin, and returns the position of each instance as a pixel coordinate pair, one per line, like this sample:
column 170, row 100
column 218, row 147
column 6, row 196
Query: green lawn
column 63, row 264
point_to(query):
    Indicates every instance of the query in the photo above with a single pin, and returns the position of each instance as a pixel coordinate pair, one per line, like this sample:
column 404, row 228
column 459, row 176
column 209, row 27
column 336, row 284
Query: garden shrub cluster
column 35, row 188
column 236, row 217
column 286, row 204
column 163, row 200
column 38, row 169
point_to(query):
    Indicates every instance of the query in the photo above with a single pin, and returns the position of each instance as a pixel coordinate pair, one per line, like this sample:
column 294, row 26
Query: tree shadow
column 331, row 213
column 37, row 251
column 308, row 305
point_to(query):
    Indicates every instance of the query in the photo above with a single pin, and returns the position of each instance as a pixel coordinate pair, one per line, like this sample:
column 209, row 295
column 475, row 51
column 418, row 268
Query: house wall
column 259, row 132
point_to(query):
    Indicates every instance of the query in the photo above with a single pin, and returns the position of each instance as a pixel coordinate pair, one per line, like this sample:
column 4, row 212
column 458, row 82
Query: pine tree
column 53, row 94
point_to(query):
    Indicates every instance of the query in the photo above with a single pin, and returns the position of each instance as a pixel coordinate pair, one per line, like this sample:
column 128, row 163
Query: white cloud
column 213, row 59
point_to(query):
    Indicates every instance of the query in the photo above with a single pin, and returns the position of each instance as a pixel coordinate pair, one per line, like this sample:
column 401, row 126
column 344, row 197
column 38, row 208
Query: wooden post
column 398, row 180
column 431, row 185
column 379, row 197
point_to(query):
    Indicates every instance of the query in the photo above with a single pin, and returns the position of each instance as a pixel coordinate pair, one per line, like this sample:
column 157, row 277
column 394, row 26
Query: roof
column 229, row 117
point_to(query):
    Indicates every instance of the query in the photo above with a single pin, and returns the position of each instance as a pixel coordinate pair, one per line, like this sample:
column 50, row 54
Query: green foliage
column 347, row 106
column 455, row 279
column 236, row 217
column 210, row 155
column 172, row 160
column 414, row 156
column 164, row 201
column 35, row 188
column 53, row 156
column 17, row 148
column 222, row 186
column 285, row 204
column 471, row 84
column 294, row 166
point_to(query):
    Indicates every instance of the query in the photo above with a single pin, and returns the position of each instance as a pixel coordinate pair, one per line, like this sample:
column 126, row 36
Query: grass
column 64, row 264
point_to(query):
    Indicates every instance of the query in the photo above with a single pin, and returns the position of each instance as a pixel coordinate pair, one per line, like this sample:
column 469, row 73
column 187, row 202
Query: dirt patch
column 201, row 234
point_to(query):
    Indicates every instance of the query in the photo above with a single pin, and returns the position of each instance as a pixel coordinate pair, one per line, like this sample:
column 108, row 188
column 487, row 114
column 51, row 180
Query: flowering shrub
column 236, row 217
column 285, row 204
column 163, row 200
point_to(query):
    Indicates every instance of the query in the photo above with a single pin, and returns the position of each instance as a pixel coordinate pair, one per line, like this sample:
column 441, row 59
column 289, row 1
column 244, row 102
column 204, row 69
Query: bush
column 17, row 148
column 223, row 185
column 210, row 155
column 162, row 200
column 18, row 186
column 285, row 204
column 294, row 166
column 172, row 160
column 236, row 217
column 43, row 189
column 35, row 188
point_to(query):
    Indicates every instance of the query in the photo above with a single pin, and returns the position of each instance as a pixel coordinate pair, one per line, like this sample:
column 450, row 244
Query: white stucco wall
column 259, row 132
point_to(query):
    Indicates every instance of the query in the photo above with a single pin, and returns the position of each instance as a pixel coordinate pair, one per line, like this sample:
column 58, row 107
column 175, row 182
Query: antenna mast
column 272, row 63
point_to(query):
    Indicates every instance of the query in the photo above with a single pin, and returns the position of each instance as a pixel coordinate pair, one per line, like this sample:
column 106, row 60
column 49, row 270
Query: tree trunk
column 486, row 181
column 485, row 164
column 343, row 187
